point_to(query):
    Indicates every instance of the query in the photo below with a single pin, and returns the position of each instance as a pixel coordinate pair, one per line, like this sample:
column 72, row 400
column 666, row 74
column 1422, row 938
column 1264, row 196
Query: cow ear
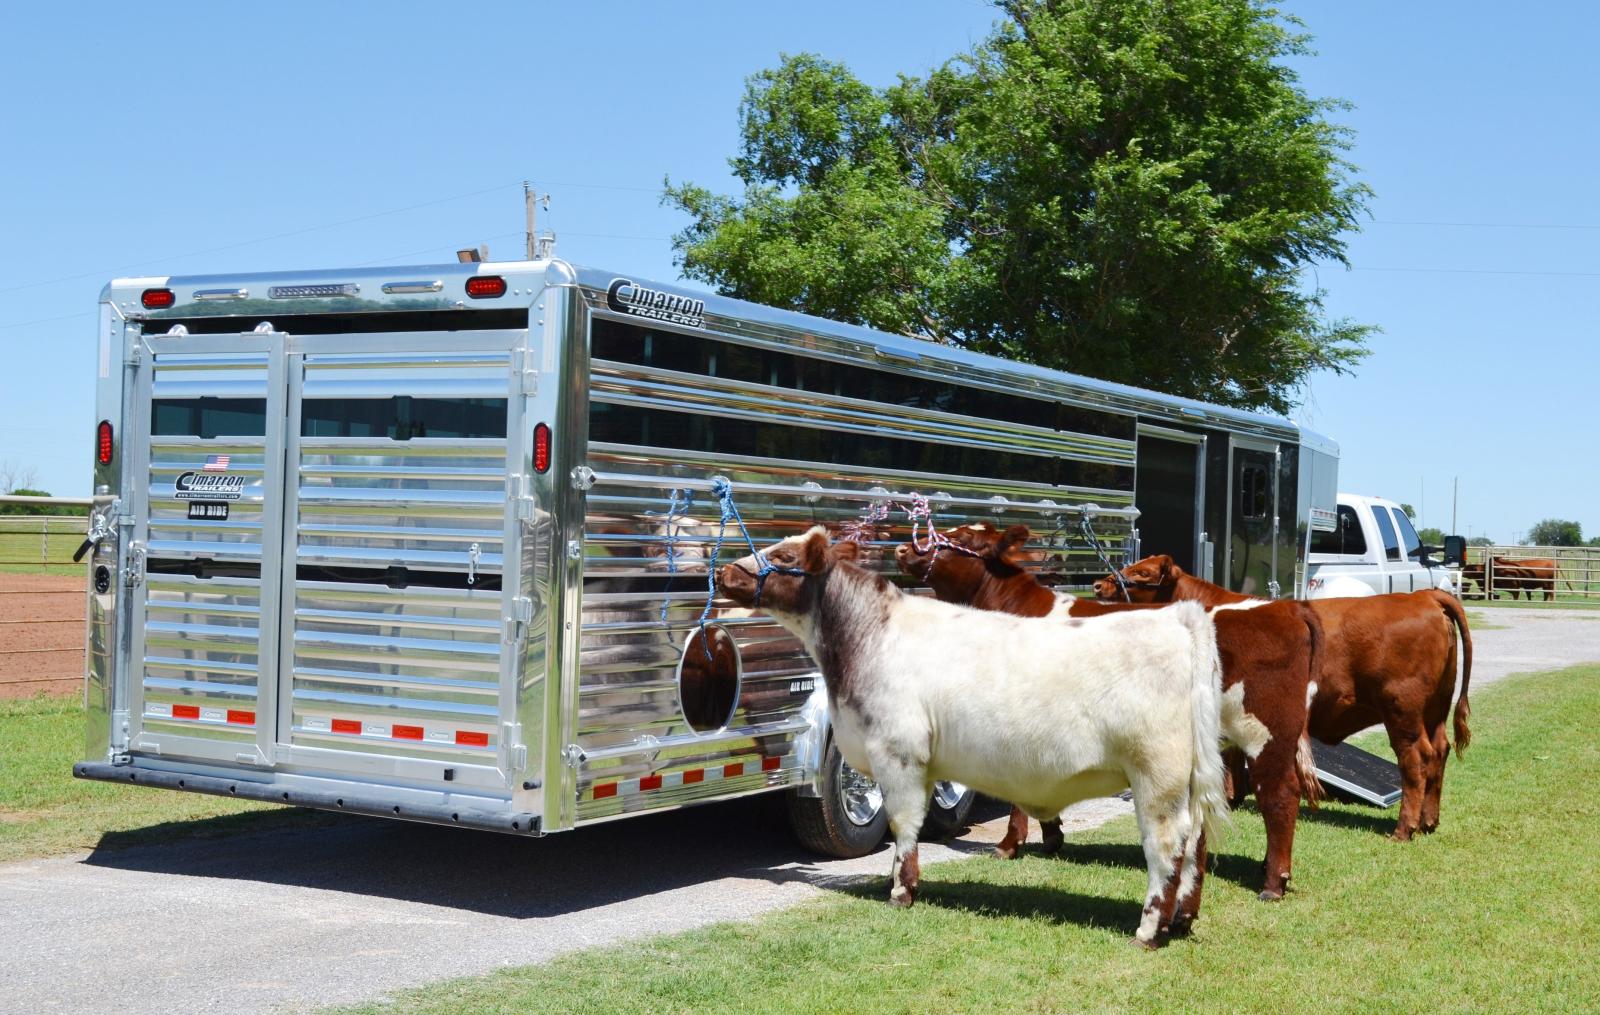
column 847, row 551
column 1166, row 568
column 1017, row 535
column 814, row 551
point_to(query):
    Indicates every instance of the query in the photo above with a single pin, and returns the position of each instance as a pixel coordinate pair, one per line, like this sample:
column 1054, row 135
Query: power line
column 1488, row 271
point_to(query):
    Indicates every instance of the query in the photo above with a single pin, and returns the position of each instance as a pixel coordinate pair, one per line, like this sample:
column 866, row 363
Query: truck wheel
column 948, row 810
column 848, row 819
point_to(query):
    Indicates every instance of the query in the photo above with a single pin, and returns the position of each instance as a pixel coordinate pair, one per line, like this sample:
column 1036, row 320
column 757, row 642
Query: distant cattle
column 1388, row 659
column 1515, row 574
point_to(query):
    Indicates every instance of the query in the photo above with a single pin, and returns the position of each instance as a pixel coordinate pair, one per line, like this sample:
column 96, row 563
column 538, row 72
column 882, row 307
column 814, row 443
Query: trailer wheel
column 948, row 810
column 848, row 819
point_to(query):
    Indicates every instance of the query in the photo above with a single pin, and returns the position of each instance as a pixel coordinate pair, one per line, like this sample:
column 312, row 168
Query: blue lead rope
column 675, row 508
column 730, row 512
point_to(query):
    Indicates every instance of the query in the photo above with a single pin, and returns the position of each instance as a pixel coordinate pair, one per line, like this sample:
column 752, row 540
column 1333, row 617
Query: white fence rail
column 45, row 538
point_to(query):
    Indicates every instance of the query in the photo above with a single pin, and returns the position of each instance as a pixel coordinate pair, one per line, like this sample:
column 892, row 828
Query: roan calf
column 1269, row 659
column 1039, row 714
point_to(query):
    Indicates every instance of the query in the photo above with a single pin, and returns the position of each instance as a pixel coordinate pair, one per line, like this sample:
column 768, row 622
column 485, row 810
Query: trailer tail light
column 541, row 448
column 102, row 442
column 482, row 287
column 157, row 299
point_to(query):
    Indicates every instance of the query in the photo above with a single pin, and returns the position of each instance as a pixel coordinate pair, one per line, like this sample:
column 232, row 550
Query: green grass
column 1498, row 911
column 44, row 810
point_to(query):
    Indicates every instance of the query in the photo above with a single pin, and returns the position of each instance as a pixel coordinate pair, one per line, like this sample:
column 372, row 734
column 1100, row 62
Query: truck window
column 1346, row 536
column 1409, row 540
column 1391, row 542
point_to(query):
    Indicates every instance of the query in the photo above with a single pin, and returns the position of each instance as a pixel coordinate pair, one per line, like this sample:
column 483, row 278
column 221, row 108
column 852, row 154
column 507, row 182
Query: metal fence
column 42, row 543
column 1555, row 575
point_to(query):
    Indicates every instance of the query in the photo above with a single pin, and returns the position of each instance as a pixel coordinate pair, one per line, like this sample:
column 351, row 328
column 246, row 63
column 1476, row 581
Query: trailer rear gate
column 284, row 477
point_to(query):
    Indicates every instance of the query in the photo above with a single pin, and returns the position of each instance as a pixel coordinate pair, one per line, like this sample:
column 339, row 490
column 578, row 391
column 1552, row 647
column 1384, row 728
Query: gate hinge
column 516, row 750
column 528, row 375
column 573, row 755
column 135, row 352
column 521, row 617
column 524, row 505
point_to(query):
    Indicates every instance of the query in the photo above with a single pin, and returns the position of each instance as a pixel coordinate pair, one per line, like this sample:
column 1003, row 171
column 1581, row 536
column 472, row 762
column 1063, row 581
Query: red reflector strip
column 694, row 775
column 609, row 789
column 346, row 726
column 408, row 732
column 186, row 711
column 729, row 771
column 771, row 764
column 240, row 717
column 650, row 782
column 467, row 738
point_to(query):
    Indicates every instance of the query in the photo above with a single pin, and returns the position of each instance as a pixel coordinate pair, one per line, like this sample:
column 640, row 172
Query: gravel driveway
column 300, row 918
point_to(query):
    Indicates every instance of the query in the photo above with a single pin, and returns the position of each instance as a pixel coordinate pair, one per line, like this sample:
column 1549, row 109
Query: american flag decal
column 216, row 463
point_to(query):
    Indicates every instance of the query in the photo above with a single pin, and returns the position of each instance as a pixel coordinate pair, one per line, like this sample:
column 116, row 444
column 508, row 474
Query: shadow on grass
column 1049, row 904
column 1379, row 822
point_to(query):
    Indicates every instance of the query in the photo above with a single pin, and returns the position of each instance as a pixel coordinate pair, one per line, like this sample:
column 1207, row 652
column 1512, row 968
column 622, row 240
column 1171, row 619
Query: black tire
column 824, row 824
column 948, row 810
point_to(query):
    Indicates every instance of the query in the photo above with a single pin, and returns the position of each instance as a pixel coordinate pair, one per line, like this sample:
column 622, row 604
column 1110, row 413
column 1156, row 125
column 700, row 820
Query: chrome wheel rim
column 861, row 797
column 947, row 794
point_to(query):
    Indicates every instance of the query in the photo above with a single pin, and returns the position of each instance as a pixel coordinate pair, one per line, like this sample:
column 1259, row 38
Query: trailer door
column 324, row 525
column 395, row 632
column 206, row 492
column 1252, row 548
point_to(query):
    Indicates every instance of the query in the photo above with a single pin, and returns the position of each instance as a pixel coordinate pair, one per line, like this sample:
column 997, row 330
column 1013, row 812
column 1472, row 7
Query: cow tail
column 1453, row 609
column 1305, row 764
column 1208, row 798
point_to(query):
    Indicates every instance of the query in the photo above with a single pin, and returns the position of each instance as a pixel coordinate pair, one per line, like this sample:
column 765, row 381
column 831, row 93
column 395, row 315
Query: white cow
column 1042, row 715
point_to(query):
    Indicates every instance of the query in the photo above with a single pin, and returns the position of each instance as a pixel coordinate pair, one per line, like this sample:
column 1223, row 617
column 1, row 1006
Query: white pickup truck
column 1372, row 549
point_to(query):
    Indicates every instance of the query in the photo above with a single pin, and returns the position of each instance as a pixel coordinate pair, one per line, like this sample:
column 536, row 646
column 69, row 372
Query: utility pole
column 1455, row 494
column 530, row 199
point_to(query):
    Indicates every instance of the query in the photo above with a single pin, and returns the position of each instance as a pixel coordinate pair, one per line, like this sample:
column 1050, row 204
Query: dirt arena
column 41, row 634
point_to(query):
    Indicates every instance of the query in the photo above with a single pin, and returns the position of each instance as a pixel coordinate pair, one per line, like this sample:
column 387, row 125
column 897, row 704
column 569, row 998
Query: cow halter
column 918, row 510
column 723, row 488
column 1087, row 529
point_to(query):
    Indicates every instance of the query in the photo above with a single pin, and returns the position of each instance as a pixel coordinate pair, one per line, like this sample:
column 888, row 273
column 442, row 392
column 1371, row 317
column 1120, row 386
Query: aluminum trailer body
column 430, row 542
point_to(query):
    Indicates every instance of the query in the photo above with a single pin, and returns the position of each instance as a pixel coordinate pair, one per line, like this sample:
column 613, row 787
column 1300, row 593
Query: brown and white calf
column 1387, row 659
column 1039, row 714
column 1269, row 654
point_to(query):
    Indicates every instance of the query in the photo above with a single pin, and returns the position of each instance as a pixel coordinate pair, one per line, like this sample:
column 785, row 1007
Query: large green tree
column 1556, row 532
column 1130, row 189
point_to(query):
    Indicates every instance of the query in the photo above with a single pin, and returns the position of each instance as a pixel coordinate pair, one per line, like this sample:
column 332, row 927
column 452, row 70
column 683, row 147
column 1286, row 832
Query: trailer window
column 208, row 417
column 698, row 354
column 661, row 428
column 403, row 417
column 1346, row 536
column 1391, row 542
column 1254, row 490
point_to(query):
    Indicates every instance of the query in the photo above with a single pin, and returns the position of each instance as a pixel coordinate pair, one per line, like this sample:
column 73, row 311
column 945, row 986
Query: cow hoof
column 1053, row 846
column 1154, row 944
column 1181, row 927
column 1401, row 835
column 1007, row 852
column 902, row 901
column 1268, row 895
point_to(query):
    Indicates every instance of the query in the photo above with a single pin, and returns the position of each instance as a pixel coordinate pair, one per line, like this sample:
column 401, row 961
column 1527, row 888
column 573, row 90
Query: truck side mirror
column 1455, row 551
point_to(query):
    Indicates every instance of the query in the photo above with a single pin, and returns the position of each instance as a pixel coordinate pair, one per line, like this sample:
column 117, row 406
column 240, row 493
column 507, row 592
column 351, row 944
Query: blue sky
column 183, row 138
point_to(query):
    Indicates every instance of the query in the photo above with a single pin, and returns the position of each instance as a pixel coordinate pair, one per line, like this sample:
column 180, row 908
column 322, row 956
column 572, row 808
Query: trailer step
column 1357, row 773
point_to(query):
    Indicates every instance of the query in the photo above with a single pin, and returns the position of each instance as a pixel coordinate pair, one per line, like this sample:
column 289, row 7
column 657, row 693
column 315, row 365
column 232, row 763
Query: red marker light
column 102, row 442
column 157, row 299
column 541, row 448
column 481, row 287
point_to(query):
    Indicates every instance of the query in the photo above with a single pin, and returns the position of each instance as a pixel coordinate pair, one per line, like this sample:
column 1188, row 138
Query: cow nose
column 901, row 551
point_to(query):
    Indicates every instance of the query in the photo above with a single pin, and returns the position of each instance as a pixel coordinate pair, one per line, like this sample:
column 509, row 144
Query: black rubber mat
column 1357, row 773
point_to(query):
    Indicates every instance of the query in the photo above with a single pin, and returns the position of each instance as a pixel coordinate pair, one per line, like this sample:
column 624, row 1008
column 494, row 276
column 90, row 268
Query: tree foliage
column 1556, row 532
column 1120, row 188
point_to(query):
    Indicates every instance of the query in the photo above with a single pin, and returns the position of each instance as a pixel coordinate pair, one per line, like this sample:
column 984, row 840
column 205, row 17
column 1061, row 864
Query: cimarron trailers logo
column 625, row 297
column 209, row 486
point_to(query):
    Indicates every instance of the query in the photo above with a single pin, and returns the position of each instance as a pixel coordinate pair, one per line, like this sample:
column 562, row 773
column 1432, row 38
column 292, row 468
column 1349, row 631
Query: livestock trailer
column 431, row 543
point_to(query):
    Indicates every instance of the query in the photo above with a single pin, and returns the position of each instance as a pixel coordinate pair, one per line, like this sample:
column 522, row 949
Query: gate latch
column 473, row 552
column 133, row 571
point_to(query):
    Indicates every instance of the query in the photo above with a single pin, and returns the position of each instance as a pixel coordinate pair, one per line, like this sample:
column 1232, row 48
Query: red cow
column 1269, row 657
column 1388, row 659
